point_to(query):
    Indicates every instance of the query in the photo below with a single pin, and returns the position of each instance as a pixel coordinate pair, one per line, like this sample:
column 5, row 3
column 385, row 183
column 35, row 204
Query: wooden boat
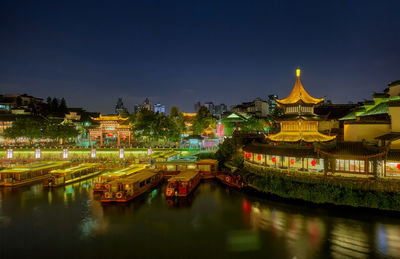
column 103, row 183
column 31, row 173
column 128, row 188
column 231, row 180
column 61, row 177
column 183, row 183
column 206, row 167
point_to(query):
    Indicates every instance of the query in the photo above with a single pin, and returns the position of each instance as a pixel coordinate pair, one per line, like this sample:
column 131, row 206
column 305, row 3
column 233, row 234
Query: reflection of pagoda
column 299, row 123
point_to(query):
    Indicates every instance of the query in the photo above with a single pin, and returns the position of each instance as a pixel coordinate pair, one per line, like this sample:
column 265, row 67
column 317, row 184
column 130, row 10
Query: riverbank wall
column 383, row 194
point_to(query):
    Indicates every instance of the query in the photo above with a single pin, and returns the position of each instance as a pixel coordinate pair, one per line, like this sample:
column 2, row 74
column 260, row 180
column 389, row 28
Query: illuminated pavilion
column 299, row 146
column 299, row 123
column 110, row 126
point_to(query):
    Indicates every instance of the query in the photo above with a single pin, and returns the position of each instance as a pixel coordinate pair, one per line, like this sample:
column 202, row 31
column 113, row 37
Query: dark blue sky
column 180, row 52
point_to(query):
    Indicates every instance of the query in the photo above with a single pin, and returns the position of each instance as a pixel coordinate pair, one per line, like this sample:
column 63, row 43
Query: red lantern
column 249, row 155
column 398, row 166
column 313, row 163
column 259, row 157
column 273, row 160
column 95, row 137
column 292, row 161
column 109, row 134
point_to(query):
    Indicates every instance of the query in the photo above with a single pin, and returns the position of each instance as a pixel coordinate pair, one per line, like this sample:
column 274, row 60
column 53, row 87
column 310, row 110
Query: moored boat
column 231, row 180
column 30, row 173
column 183, row 183
column 128, row 188
column 65, row 176
column 103, row 182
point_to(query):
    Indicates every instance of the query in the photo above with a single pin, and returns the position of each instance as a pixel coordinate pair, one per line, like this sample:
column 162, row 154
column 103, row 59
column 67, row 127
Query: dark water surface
column 215, row 222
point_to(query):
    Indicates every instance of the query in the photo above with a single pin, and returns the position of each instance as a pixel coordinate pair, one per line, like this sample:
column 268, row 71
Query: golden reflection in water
column 293, row 228
column 94, row 222
column 349, row 241
column 388, row 239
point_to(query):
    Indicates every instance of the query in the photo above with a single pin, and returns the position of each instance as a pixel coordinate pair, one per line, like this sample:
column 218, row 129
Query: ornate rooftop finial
column 298, row 72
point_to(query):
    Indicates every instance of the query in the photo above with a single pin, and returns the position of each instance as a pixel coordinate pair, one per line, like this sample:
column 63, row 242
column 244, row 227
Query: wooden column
column 101, row 139
column 118, row 137
column 90, row 139
column 129, row 138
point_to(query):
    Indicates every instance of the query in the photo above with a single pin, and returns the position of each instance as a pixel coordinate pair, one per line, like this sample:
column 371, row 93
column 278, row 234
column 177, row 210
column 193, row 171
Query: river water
column 214, row 222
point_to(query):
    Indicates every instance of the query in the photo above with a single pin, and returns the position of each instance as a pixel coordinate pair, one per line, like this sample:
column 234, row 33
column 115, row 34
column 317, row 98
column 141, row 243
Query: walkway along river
column 214, row 222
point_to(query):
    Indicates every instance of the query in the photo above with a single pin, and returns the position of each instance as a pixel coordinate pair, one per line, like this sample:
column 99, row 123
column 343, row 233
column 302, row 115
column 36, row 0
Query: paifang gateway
column 369, row 146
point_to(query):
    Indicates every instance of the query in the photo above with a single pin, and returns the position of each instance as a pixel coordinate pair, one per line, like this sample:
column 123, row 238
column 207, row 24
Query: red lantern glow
column 95, row 137
column 109, row 134
column 259, row 157
column 273, row 160
column 292, row 161
column 249, row 155
column 313, row 163
column 398, row 166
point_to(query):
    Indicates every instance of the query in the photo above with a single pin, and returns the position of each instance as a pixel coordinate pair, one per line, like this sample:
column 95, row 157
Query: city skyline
column 178, row 53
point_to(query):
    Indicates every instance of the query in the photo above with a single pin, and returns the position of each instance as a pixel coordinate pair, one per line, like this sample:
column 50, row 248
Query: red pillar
column 101, row 139
column 118, row 138
column 129, row 139
column 90, row 139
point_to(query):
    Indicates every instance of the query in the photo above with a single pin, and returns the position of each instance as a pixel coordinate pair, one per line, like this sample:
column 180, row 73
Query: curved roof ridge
column 299, row 94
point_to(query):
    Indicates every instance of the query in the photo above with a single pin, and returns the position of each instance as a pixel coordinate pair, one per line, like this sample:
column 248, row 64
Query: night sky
column 180, row 52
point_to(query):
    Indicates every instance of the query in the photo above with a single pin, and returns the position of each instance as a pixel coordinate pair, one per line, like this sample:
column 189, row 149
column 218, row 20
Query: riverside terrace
column 17, row 156
column 349, row 159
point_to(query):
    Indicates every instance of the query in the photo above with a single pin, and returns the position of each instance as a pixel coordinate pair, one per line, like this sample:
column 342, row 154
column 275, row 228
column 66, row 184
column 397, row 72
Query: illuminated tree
column 203, row 120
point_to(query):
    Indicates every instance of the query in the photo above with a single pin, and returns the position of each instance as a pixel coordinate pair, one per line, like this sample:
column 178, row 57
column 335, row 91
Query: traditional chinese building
column 299, row 123
column 299, row 146
column 111, row 127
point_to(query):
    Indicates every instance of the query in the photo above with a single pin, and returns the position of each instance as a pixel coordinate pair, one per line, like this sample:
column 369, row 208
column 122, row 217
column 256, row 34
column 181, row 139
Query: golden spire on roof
column 299, row 94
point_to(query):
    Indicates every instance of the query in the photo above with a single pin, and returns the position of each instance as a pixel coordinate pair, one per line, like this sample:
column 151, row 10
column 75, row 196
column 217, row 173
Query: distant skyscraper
column 158, row 107
column 197, row 107
column 209, row 106
column 119, row 107
column 147, row 104
column 271, row 103
column 136, row 108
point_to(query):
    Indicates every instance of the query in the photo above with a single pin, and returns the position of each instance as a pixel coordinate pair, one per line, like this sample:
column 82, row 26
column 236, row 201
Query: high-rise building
column 119, row 107
column 160, row 108
column 147, row 104
column 209, row 106
column 271, row 103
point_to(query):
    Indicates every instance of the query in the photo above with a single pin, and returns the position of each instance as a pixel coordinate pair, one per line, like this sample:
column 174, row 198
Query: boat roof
column 125, row 171
column 138, row 177
column 207, row 161
column 75, row 169
column 184, row 176
column 34, row 166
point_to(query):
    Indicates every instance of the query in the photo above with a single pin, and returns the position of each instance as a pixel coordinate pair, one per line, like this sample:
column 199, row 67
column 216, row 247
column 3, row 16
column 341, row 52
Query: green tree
column 203, row 120
column 54, row 106
column 59, row 132
column 27, row 127
column 174, row 112
column 62, row 109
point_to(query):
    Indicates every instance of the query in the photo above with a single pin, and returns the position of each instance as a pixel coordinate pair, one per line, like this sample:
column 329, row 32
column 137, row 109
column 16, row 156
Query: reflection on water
column 220, row 221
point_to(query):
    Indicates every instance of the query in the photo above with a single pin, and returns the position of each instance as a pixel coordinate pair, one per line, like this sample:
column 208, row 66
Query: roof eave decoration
column 297, row 136
column 109, row 118
column 299, row 95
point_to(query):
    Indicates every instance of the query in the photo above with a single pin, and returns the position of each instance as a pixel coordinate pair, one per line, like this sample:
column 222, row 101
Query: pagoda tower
column 299, row 122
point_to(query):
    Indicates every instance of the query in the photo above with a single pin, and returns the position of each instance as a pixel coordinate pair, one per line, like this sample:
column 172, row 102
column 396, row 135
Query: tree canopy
column 203, row 120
